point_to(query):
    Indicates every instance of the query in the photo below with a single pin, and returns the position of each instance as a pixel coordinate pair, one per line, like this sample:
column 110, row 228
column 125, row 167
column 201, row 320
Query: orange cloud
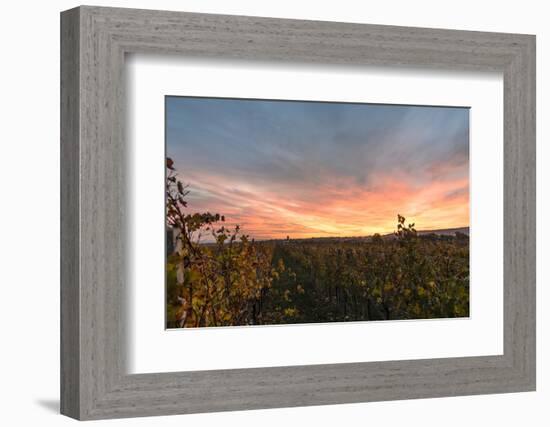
column 343, row 208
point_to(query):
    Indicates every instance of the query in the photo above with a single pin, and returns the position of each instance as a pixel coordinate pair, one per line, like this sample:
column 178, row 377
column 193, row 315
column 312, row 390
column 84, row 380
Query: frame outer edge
column 70, row 397
column 520, row 215
column 527, row 166
column 532, row 137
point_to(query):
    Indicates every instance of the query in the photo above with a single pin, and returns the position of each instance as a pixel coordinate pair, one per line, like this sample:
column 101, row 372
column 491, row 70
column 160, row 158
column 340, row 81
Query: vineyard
column 234, row 280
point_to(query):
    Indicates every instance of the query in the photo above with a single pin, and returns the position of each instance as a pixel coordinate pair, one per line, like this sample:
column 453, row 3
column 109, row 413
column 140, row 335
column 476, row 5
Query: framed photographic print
column 349, row 208
column 283, row 212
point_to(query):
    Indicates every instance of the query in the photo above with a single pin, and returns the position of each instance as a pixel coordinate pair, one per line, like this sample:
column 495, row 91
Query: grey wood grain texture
column 70, row 362
column 94, row 270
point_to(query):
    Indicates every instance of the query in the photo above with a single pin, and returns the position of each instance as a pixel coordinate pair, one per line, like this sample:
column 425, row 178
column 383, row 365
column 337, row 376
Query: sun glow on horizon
column 349, row 212
column 305, row 170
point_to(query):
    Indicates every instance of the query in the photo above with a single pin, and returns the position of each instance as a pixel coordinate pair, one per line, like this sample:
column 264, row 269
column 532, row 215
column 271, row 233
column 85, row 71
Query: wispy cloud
column 321, row 169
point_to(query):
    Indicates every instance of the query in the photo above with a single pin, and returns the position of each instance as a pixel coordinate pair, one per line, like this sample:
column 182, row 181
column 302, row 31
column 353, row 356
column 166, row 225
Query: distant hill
column 389, row 236
column 446, row 231
column 438, row 232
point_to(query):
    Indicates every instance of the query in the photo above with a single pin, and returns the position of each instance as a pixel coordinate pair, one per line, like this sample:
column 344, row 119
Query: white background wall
column 29, row 212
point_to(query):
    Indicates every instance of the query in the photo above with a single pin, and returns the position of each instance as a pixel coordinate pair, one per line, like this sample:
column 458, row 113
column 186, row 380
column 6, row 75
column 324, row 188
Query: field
column 284, row 282
column 236, row 281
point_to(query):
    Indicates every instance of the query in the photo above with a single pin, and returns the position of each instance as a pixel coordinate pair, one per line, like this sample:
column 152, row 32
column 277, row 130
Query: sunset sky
column 310, row 169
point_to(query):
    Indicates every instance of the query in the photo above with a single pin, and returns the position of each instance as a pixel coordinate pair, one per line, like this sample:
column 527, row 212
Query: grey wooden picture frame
column 94, row 381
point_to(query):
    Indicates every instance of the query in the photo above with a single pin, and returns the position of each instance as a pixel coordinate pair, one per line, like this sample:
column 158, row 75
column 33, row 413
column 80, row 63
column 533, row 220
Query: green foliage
column 212, row 285
column 236, row 281
column 408, row 277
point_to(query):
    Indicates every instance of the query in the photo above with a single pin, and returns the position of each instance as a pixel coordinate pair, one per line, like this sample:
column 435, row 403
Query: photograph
column 287, row 212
